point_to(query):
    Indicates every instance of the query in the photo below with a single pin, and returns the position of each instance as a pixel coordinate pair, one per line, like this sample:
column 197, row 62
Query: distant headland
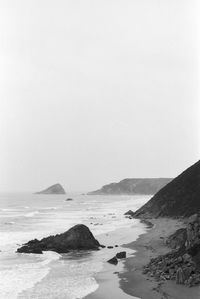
column 133, row 186
column 54, row 189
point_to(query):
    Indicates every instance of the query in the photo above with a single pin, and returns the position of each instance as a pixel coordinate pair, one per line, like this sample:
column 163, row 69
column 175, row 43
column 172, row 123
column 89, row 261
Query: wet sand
column 147, row 246
column 108, row 279
column 126, row 281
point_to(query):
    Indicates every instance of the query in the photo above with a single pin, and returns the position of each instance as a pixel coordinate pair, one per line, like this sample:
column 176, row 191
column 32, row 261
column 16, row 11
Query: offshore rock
column 54, row 189
column 79, row 237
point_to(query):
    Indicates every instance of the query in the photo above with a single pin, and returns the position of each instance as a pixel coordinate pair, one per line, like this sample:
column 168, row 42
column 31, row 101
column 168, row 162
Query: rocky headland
column 174, row 255
column 179, row 198
column 54, row 189
column 133, row 186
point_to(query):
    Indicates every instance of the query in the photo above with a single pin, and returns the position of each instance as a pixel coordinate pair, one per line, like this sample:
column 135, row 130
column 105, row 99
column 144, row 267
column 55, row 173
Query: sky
column 92, row 92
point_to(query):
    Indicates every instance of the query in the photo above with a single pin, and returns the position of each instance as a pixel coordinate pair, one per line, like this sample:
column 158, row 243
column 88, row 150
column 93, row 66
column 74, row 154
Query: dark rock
column 109, row 247
column 147, row 222
column 178, row 239
column 102, row 246
column 113, row 261
column 116, row 245
column 121, row 255
column 68, row 199
column 78, row 237
column 183, row 263
column 129, row 213
column 54, row 189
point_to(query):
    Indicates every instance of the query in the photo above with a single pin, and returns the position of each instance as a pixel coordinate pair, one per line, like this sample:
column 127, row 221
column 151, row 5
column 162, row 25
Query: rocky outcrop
column 178, row 198
column 79, row 237
column 178, row 239
column 54, row 189
column 129, row 213
column 118, row 256
column 113, row 261
column 133, row 186
column 183, row 263
column 121, row 255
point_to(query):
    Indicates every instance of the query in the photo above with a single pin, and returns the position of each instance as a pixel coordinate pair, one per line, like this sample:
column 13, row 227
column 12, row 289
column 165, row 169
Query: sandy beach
column 127, row 281
column 147, row 246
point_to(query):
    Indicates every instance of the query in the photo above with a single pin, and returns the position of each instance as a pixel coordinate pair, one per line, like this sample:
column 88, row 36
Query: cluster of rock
column 119, row 255
column 183, row 263
column 79, row 237
column 172, row 267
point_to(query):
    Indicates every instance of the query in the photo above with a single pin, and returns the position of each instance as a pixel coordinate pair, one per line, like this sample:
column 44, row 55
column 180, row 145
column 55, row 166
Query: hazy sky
column 92, row 92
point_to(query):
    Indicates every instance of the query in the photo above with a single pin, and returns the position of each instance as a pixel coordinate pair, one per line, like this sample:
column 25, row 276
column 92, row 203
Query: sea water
column 50, row 275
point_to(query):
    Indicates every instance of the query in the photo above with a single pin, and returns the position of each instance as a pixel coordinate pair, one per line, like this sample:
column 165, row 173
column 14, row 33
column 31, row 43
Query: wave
column 32, row 214
column 50, row 208
column 24, row 276
column 8, row 210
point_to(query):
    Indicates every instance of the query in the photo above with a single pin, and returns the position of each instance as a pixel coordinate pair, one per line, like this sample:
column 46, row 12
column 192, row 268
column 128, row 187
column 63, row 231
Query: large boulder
column 113, row 261
column 121, row 255
column 79, row 237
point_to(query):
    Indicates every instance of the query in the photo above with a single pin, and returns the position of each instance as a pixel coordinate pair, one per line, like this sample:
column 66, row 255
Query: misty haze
column 100, row 143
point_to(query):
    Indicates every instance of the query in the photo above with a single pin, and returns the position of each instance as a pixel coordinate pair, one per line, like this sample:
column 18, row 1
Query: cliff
column 181, row 197
column 133, row 186
column 54, row 189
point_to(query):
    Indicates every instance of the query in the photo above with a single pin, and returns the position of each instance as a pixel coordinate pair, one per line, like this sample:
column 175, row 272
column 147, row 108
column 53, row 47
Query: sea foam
column 24, row 276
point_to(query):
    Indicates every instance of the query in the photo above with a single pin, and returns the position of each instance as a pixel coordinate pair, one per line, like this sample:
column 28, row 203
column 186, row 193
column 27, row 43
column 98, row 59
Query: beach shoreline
column 108, row 278
column 149, row 245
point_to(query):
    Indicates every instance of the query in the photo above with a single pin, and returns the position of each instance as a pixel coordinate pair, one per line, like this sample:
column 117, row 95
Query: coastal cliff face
column 54, row 189
column 181, row 197
column 133, row 186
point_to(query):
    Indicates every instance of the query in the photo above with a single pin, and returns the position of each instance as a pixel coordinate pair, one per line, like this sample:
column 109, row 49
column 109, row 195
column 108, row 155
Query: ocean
column 50, row 275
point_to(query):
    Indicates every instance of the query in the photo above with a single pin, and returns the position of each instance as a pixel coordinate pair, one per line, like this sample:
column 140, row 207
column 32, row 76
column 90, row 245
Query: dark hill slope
column 181, row 197
column 133, row 186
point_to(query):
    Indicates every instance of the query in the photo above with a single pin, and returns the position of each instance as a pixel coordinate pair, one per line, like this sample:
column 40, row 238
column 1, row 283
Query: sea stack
column 79, row 237
column 54, row 189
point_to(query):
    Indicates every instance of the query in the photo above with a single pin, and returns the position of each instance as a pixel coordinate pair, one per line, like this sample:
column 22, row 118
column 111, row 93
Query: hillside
column 54, row 189
column 133, row 186
column 181, row 197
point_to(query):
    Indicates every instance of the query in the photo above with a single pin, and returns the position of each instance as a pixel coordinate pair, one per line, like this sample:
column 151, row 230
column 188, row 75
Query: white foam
column 8, row 210
column 31, row 214
column 24, row 276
